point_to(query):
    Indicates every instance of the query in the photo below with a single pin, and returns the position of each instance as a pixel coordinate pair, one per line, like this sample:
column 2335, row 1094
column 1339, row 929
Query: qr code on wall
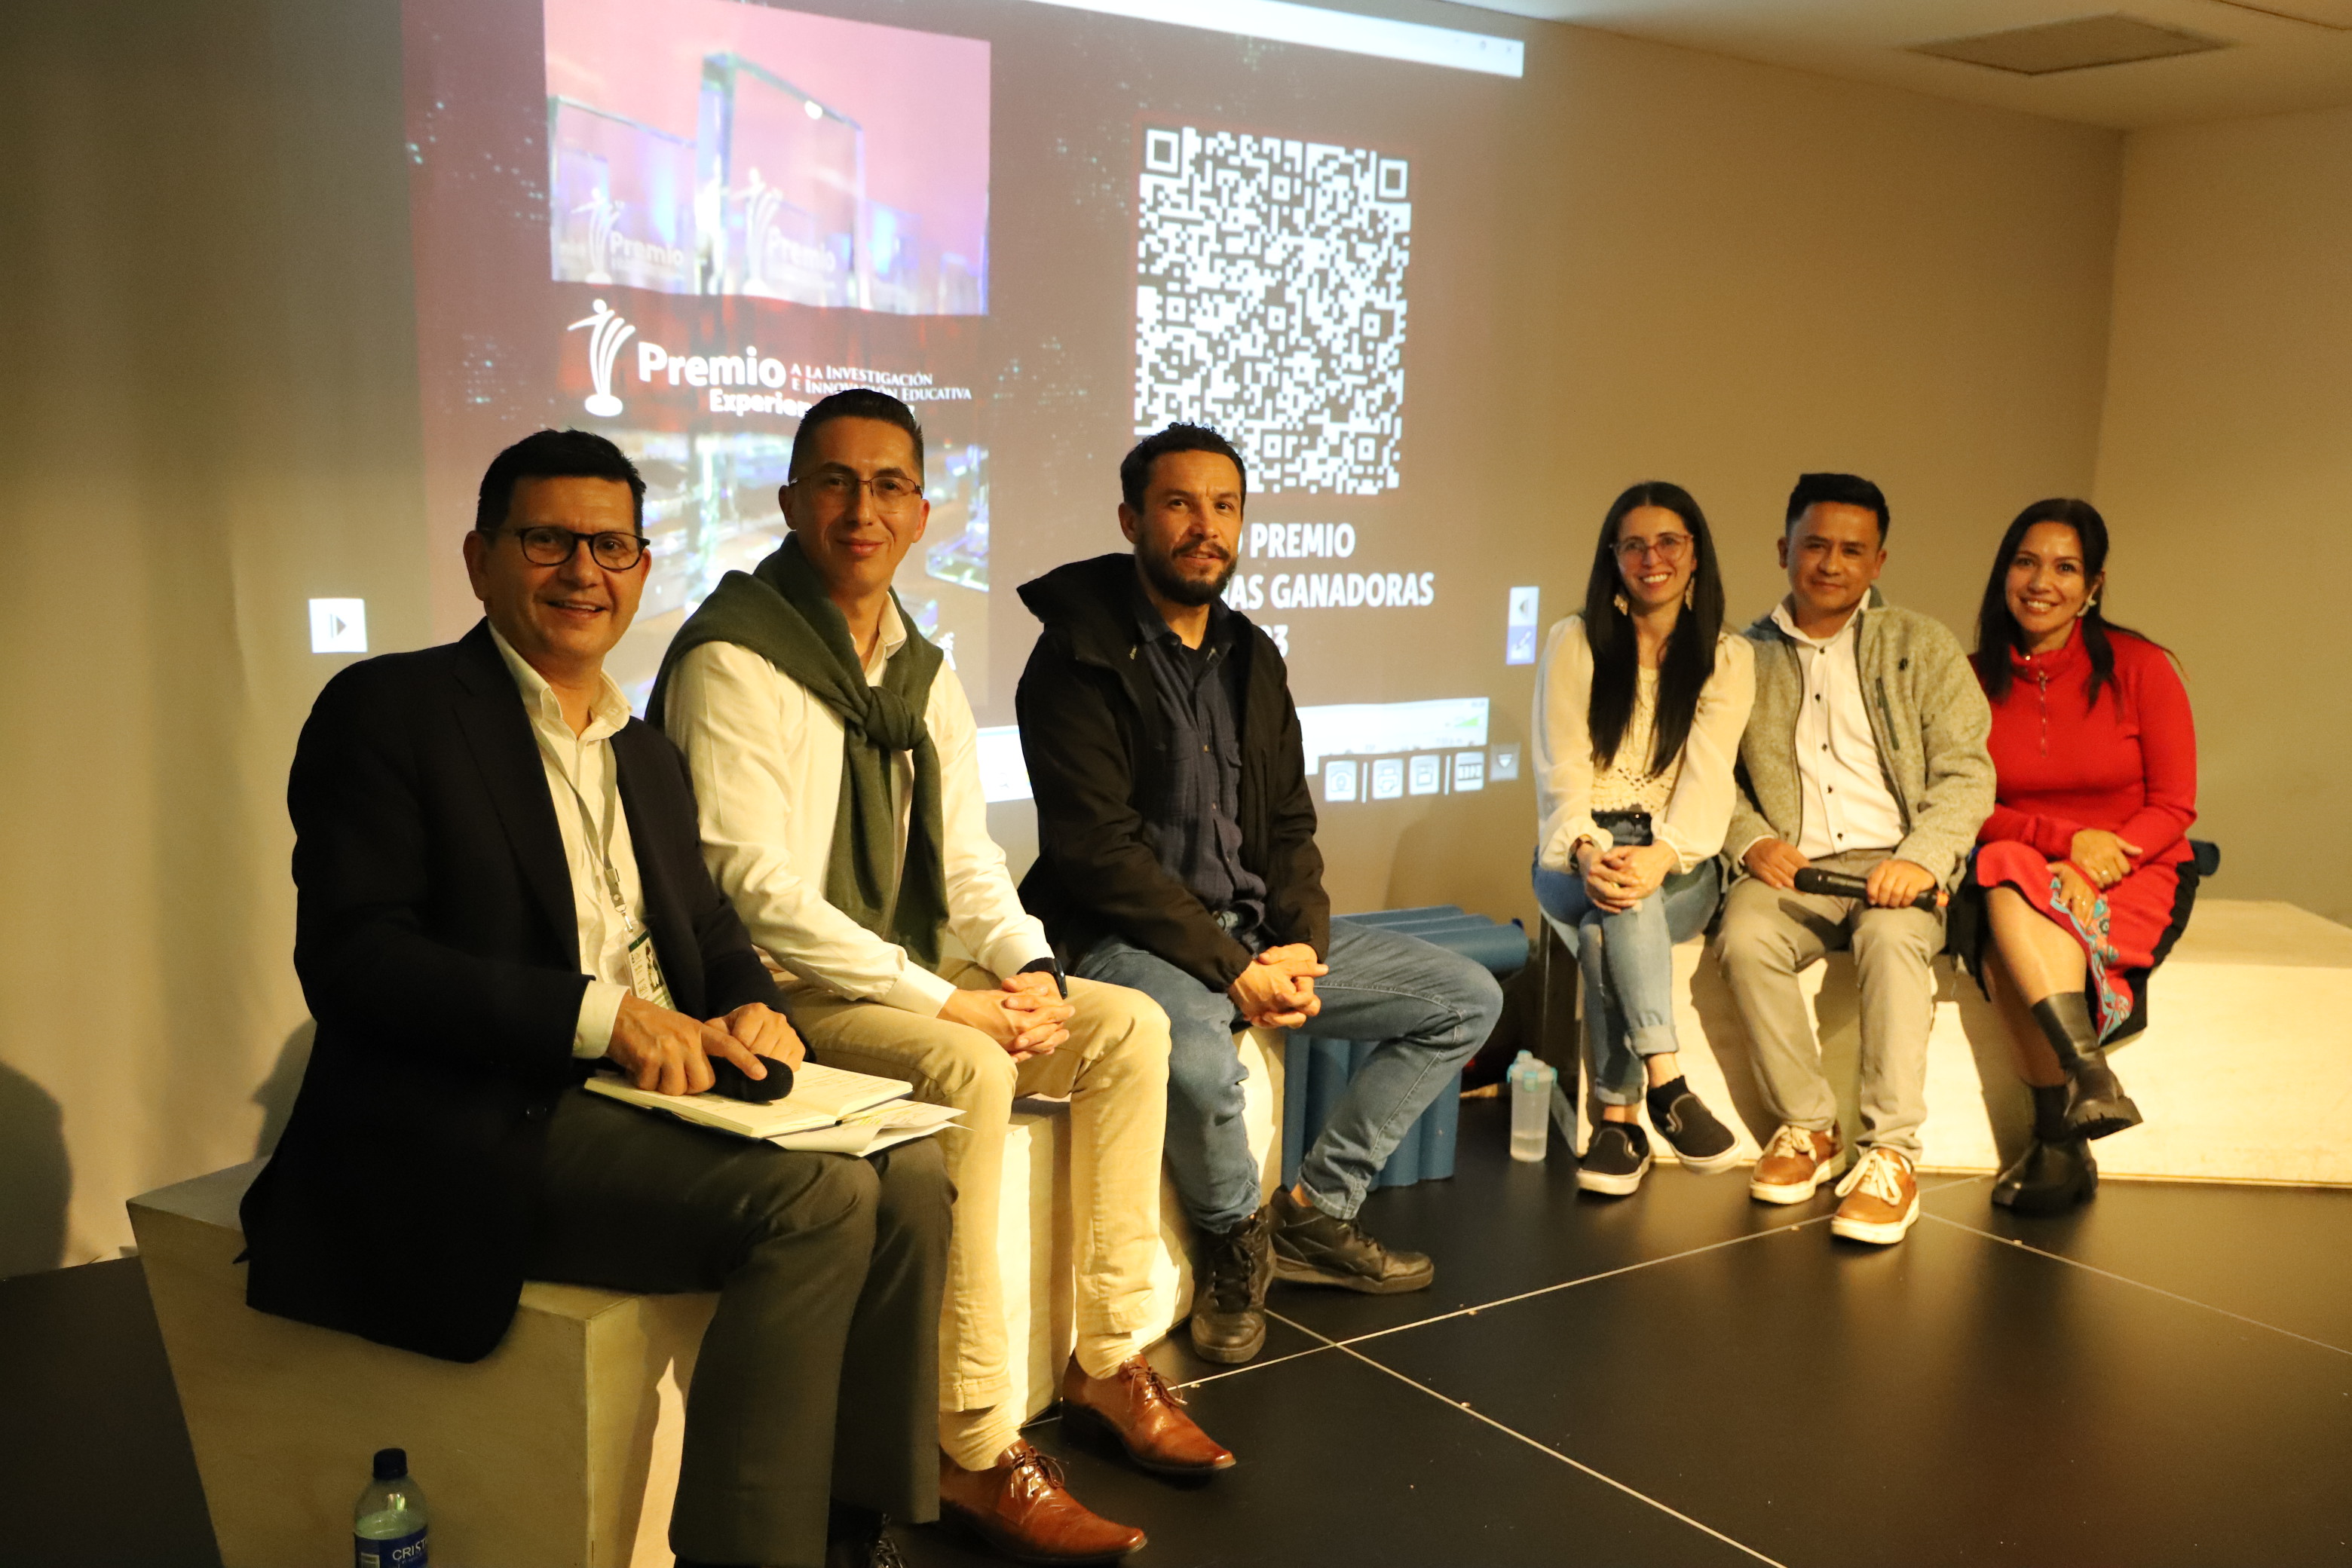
column 1269, row 303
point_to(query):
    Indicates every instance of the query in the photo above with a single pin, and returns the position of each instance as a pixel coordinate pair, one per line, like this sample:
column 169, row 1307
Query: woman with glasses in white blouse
column 1640, row 700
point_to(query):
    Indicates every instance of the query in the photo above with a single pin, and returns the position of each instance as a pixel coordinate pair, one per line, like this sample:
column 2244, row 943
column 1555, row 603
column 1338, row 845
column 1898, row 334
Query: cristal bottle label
column 400, row 1552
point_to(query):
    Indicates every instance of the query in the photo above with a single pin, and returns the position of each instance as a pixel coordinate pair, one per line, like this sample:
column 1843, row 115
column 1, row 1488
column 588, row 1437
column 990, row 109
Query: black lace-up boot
column 1228, row 1291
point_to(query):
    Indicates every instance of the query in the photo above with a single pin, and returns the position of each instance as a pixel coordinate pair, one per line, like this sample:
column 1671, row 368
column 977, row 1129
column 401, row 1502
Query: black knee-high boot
column 2056, row 1171
column 2095, row 1102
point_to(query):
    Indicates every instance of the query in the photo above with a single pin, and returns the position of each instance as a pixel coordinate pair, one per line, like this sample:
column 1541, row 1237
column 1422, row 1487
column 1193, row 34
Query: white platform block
column 1039, row 1279
column 558, row 1450
column 2257, row 997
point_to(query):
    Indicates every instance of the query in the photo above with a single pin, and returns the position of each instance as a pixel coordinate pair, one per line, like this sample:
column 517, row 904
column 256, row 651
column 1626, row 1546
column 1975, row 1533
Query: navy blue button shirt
column 1198, row 836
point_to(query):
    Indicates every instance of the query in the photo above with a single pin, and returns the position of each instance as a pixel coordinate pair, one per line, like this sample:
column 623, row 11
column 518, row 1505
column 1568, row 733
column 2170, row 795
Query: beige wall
column 207, row 415
column 2225, row 473
column 1713, row 272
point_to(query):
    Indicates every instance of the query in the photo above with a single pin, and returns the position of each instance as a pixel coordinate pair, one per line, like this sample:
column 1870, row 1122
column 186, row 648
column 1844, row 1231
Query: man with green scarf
column 836, row 771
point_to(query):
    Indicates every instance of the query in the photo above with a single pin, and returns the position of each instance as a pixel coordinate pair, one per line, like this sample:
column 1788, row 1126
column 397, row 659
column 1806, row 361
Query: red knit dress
column 2127, row 764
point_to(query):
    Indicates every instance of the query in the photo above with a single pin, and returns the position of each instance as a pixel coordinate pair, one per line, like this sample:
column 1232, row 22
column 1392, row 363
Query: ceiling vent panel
column 2078, row 44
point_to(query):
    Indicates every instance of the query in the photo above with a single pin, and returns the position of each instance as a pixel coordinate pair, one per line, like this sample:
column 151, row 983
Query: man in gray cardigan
column 1864, row 755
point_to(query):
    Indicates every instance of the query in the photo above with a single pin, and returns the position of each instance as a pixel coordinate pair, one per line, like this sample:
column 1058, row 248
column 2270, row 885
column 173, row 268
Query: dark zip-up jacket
column 1096, row 746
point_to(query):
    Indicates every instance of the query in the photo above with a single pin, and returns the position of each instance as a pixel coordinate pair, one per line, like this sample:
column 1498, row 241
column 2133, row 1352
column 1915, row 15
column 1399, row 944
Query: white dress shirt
column 766, row 757
column 1689, row 804
column 583, row 762
column 1847, row 804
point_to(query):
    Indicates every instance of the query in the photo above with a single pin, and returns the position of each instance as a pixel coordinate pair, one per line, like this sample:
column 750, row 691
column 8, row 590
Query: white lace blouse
column 1689, row 803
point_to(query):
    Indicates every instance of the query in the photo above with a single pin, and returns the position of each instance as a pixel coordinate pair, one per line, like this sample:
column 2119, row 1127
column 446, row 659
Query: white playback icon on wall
column 339, row 626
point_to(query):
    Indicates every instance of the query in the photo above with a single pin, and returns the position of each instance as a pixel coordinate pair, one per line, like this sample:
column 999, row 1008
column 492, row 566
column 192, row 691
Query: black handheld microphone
column 1843, row 885
column 734, row 1083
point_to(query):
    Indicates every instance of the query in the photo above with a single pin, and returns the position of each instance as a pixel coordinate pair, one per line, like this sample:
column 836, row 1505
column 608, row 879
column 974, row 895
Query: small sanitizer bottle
column 388, row 1522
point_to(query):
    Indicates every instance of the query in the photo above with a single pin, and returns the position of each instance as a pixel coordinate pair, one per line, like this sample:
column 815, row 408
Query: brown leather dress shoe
column 1133, row 1406
column 1021, row 1508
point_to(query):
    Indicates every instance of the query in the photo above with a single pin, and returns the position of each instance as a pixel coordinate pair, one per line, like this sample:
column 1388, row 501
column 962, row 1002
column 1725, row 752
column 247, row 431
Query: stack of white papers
column 870, row 1131
column 829, row 1111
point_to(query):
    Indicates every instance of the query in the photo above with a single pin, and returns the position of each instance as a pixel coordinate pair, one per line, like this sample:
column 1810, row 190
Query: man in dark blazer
column 500, row 881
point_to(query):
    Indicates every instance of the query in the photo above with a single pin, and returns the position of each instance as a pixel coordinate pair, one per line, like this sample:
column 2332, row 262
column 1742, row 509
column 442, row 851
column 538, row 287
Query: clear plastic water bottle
column 1531, row 1083
column 388, row 1522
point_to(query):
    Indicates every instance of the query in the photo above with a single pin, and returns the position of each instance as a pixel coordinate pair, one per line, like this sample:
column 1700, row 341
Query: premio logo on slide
column 607, row 330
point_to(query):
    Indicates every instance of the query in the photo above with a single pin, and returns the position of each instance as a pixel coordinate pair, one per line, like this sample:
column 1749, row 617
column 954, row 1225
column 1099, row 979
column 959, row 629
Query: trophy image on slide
column 781, row 183
column 620, row 200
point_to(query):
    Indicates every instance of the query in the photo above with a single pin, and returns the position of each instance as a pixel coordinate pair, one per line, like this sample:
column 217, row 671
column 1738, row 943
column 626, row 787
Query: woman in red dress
column 2084, row 864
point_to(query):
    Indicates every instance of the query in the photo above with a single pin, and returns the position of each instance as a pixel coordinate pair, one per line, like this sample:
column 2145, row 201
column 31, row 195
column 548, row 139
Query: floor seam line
column 1261, row 1366
column 2135, row 1284
column 1580, row 1279
column 1541, row 1447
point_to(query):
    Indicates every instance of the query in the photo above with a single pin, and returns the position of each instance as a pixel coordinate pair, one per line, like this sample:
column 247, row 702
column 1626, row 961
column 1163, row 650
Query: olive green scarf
column 779, row 612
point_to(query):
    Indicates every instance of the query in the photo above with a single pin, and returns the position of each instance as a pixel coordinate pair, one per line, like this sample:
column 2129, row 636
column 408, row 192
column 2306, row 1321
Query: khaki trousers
column 1769, row 936
column 1113, row 1067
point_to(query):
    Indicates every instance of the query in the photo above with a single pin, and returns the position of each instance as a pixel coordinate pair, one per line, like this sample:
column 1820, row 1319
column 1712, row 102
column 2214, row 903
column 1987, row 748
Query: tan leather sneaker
column 1794, row 1163
column 1882, row 1199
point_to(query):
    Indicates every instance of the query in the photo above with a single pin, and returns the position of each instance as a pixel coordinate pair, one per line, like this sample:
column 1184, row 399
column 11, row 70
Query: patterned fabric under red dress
column 2127, row 764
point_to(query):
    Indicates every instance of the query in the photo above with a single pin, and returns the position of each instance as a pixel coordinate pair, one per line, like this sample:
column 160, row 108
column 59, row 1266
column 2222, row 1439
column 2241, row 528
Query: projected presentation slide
column 1048, row 225
column 711, row 147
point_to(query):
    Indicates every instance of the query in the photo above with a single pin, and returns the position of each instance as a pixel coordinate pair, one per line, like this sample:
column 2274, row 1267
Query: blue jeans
column 1628, row 962
column 1427, row 1009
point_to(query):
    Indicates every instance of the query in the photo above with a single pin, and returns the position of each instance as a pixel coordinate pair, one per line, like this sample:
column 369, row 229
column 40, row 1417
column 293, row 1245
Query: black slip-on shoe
column 1615, row 1161
column 1700, row 1142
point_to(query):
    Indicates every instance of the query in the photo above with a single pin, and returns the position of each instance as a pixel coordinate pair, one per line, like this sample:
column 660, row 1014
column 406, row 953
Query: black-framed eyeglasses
column 550, row 546
column 839, row 486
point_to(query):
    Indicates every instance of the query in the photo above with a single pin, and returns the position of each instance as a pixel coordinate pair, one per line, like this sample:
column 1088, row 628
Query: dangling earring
column 1622, row 607
column 1690, row 591
column 2088, row 606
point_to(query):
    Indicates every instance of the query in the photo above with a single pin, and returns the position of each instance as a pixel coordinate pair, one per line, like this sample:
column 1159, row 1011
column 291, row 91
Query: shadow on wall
column 276, row 1095
column 36, row 1178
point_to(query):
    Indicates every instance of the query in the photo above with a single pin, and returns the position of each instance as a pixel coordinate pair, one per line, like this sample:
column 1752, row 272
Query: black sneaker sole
column 1298, row 1271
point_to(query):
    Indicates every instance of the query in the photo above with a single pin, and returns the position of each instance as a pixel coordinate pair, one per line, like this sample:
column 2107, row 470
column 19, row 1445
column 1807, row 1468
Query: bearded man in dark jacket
column 1176, row 856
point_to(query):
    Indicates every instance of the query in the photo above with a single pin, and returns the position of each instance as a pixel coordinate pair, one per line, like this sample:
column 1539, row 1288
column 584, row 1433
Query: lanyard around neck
column 601, row 839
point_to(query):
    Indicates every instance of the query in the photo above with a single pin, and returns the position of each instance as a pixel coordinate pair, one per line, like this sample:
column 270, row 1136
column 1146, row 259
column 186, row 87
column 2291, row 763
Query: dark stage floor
column 1680, row 1378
